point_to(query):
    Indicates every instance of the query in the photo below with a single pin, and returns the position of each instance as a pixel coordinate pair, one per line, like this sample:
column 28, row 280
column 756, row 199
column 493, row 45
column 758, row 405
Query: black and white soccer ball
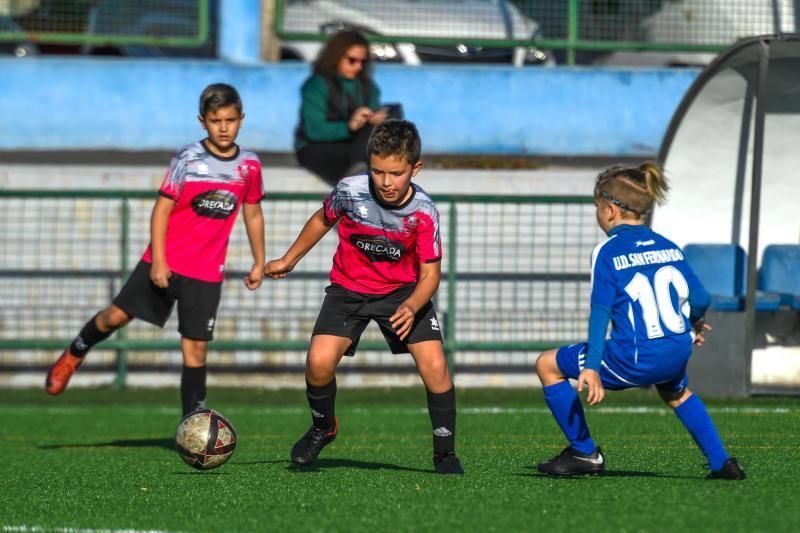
column 205, row 439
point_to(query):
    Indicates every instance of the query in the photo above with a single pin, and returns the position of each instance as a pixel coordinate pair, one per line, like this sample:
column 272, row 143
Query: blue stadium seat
column 780, row 273
column 722, row 268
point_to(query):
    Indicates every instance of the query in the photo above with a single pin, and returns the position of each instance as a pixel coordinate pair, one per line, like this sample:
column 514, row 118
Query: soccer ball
column 205, row 439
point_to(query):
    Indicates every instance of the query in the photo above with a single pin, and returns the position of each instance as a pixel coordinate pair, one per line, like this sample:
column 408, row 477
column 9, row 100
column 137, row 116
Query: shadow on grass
column 167, row 444
column 195, row 472
column 245, row 463
column 324, row 464
column 605, row 474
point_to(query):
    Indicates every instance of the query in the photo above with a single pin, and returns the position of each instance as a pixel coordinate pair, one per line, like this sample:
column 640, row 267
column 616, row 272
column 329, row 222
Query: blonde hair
column 632, row 189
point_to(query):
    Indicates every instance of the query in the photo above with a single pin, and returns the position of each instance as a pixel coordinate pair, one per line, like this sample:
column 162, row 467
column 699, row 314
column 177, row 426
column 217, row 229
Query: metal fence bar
column 515, row 281
column 124, row 240
column 117, row 194
column 572, row 31
column 590, row 25
column 452, row 253
column 576, row 25
column 81, row 36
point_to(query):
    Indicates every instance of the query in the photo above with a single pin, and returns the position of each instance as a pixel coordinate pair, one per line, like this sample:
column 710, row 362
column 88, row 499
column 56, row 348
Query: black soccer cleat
column 306, row 450
column 447, row 463
column 572, row 462
column 731, row 469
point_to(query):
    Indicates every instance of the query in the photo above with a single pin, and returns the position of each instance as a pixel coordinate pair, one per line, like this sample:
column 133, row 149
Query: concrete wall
column 105, row 103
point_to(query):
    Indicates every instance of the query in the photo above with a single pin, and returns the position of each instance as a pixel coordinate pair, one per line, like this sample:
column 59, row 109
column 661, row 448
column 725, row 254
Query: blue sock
column 693, row 414
column 566, row 407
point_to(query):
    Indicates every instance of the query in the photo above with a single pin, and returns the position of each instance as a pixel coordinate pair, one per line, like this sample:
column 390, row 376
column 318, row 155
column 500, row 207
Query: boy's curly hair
column 396, row 137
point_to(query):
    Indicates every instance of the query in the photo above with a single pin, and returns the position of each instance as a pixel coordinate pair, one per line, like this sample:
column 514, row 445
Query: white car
column 445, row 19
column 702, row 22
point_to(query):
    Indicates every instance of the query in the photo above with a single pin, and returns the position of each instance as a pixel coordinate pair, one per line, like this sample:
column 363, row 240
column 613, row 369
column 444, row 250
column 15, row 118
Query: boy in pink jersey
column 205, row 186
column 387, row 268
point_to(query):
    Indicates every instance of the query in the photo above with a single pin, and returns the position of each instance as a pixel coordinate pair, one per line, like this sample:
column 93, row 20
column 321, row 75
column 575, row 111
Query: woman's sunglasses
column 355, row 60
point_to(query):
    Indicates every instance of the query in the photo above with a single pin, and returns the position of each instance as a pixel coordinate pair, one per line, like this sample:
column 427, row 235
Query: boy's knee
column 431, row 361
column 436, row 368
column 440, row 374
column 112, row 318
column 436, row 375
column 194, row 352
column 546, row 363
column 675, row 398
column 547, row 369
column 320, row 368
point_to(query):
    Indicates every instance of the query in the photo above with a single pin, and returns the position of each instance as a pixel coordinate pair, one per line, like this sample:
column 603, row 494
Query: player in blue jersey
column 655, row 303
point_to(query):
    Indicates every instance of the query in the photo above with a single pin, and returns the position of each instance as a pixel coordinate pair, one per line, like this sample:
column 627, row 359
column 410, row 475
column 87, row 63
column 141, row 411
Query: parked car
column 703, row 22
column 165, row 19
column 124, row 18
column 446, row 19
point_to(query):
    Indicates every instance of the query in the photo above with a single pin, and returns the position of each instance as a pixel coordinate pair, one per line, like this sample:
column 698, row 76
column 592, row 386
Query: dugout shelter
column 732, row 154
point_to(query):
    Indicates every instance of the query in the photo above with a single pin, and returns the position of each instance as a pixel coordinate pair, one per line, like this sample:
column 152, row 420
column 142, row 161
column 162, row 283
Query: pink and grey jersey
column 381, row 246
column 208, row 192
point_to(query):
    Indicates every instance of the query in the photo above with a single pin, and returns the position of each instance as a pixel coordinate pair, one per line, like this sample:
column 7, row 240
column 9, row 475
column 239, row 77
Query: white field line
column 81, row 410
column 42, row 529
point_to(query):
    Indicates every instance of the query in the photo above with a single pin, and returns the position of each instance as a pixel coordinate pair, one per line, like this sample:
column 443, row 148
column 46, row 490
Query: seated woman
column 340, row 105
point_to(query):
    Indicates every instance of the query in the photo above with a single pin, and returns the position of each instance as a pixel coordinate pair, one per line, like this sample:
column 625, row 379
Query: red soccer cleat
column 60, row 372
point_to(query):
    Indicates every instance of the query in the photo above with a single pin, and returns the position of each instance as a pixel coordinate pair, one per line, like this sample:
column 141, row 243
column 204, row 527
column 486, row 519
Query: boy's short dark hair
column 219, row 95
column 395, row 137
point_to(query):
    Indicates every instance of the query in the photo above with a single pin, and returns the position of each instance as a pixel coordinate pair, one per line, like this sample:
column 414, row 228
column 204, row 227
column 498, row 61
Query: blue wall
column 81, row 103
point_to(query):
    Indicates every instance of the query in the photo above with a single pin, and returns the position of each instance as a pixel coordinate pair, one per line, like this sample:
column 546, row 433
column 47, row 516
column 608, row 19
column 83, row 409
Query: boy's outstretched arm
column 403, row 318
column 254, row 223
column 159, row 270
column 699, row 301
column 316, row 228
column 599, row 317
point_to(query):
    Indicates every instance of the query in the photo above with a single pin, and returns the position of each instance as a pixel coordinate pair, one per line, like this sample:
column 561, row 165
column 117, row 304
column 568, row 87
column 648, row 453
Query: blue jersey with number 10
column 643, row 279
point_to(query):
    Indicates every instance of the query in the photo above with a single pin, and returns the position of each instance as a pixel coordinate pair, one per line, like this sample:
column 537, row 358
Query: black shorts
column 346, row 313
column 197, row 302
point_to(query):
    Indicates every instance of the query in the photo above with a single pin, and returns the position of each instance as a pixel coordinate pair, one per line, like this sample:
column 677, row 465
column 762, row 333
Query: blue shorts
column 617, row 374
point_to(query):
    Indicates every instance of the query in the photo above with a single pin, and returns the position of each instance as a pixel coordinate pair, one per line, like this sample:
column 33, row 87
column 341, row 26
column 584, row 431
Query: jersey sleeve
column 604, row 289
column 599, row 317
column 255, row 181
column 334, row 204
column 429, row 240
column 699, row 299
column 173, row 182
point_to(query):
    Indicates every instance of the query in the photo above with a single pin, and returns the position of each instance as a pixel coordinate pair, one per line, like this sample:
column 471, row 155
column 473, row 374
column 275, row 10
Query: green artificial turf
column 103, row 460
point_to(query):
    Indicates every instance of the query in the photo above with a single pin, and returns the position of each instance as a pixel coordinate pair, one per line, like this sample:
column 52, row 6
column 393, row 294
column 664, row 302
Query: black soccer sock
column 322, row 403
column 193, row 388
column 442, row 408
column 88, row 337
